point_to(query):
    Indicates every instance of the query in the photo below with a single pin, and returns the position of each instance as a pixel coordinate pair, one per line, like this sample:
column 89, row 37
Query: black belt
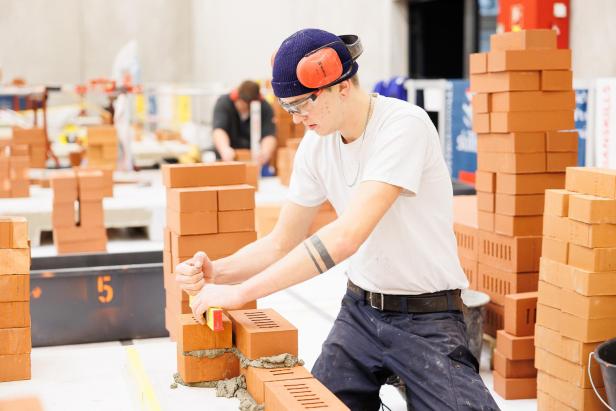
column 448, row 300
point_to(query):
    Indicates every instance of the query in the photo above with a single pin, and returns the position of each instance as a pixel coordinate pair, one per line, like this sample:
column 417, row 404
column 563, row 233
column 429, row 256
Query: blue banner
column 581, row 122
column 463, row 139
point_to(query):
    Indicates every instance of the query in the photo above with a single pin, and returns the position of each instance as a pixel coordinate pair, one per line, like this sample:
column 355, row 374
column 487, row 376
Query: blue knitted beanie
column 285, row 82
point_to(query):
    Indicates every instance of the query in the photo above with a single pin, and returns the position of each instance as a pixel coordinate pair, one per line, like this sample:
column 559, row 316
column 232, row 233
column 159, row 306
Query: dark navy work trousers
column 428, row 351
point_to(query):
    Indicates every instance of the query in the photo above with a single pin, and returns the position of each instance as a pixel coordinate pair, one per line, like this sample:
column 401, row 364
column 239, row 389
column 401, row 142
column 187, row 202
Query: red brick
column 520, row 314
column 481, row 103
column 550, row 294
column 556, row 227
column 15, row 314
column 524, row 40
column 214, row 245
column 14, row 367
column 478, row 63
column 514, row 254
column 495, row 317
column 485, row 201
column 21, row 404
column 559, row 162
column 485, row 220
column 63, row 215
column 510, row 143
column 514, row 347
column 257, row 377
column 557, row 202
column 296, row 395
column 587, row 330
column 481, row 122
column 526, row 121
column 555, row 249
column 72, row 247
column 592, row 259
column 603, row 306
column 588, row 283
column 192, row 223
column 505, row 81
column 261, row 333
column 236, row 221
column 528, row 183
column 561, row 141
column 571, row 395
column 556, row 80
column 471, row 269
column 193, row 199
column 513, row 368
column 199, row 369
column 592, row 235
column 512, row 162
column 592, row 209
column 14, row 261
column 13, row 232
column 548, row 317
column 532, row 101
column 15, row 340
column 518, row 60
column 575, row 374
column 546, row 402
column 14, row 287
column 236, row 197
column 194, row 336
column 485, row 181
column 569, row 349
column 519, row 205
column 594, row 181
column 497, row 283
column 518, row 225
column 199, row 175
column 466, row 240
column 514, row 388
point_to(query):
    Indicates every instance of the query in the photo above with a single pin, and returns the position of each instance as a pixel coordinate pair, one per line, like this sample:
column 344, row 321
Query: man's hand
column 227, row 154
column 194, row 273
column 216, row 295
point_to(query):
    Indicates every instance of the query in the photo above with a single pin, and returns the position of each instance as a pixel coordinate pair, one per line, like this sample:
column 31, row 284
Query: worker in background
column 379, row 162
column 231, row 123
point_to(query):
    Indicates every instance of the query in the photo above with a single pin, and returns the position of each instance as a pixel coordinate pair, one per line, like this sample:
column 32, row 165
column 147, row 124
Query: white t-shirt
column 412, row 250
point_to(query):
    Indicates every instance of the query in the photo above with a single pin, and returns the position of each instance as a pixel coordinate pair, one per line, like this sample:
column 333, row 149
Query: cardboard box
column 554, row 80
column 573, row 396
column 526, row 121
column 520, row 314
column 199, row 369
column 516, row 163
column 299, row 395
column 200, row 175
column 548, row 317
column 261, row 333
column 594, row 181
column 485, row 201
column 505, row 81
column 478, row 63
column 524, row 40
column 555, row 227
column 518, row 225
column 592, row 209
column 192, row 223
column 510, row 143
column 557, row 202
column 557, row 162
column 194, row 336
column 555, row 249
column 528, row 183
column 561, row 141
column 532, row 101
column 256, row 378
column 514, row 347
column 14, row 287
column 192, row 199
column 497, row 283
column 15, row 340
column 519, row 60
column 519, row 205
column 485, row 220
column 15, row 367
column 485, row 181
column 236, row 221
column 592, row 235
column 573, row 373
column 592, row 259
column 514, row 388
column 513, row 254
column 238, row 197
column 494, row 320
column 591, row 307
column 513, row 368
column 14, row 261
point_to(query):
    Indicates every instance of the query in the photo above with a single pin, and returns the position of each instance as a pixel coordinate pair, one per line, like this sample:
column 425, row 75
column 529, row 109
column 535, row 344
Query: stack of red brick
column 14, row 163
column 577, row 293
column 102, row 146
column 15, row 335
column 284, row 164
column 36, row 141
column 210, row 208
column 255, row 334
column 523, row 98
column 77, row 214
column 253, row 171
column 467, row 238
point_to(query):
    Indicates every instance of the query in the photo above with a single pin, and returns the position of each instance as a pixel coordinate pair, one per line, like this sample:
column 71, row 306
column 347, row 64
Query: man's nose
column 298, row 118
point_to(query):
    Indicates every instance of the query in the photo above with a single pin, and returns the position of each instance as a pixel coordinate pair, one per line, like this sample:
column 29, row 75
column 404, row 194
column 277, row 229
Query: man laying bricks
column 378, row 161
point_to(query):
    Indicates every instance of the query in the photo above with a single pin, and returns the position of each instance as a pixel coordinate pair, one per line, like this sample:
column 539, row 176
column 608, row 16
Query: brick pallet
column 576, row 308
column 15, row 333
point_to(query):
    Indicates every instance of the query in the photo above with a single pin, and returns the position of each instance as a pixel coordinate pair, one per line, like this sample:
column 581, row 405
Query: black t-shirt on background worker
column 226, row 117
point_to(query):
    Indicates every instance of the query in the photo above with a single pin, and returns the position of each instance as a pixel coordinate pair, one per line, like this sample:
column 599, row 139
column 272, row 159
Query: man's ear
column 344, row 87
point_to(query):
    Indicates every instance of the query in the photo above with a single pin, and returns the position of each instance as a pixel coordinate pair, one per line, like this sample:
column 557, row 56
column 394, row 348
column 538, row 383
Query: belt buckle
column 371, row 302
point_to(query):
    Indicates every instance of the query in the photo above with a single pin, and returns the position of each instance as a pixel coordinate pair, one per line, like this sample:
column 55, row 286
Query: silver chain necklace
column 363, row 135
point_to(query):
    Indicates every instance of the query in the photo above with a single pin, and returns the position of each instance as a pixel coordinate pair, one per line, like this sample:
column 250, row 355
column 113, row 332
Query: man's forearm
column 221, row 139
column 314, row 255
column 268, row 146
column 248, row 261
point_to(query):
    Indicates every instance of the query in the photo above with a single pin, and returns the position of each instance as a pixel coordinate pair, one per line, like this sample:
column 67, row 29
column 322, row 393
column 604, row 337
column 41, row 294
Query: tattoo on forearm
column 314, row 260
column 320, row 247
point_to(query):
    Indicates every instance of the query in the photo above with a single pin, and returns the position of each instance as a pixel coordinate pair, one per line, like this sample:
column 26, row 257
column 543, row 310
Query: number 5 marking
column 105, row 290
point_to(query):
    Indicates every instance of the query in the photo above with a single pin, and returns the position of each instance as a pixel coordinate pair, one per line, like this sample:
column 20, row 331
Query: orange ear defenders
column 322, row 67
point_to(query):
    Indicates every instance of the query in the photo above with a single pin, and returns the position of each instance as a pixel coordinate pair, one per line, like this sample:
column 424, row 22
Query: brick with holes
column 498, row 283
column 301, row 394
column 514, row 254
column 261, row 333
column 494, row 319
column 257, row 377
column 193, row 368
column 194, row 336
column 520, row 313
